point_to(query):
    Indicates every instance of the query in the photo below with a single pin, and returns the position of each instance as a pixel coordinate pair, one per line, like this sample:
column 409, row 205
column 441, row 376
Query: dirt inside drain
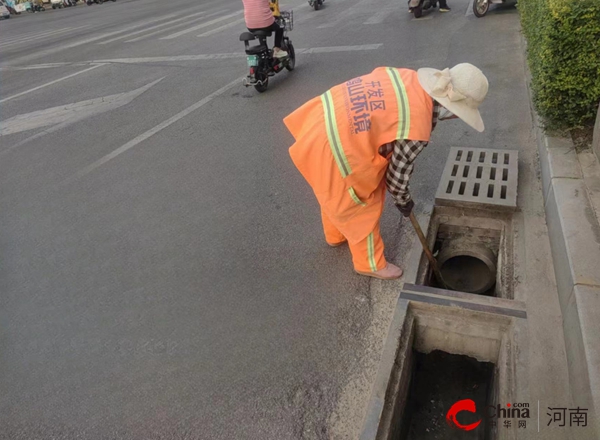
column 440, row 379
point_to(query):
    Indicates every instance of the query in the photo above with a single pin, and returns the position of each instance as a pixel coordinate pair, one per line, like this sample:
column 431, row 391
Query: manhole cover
column 479, row 176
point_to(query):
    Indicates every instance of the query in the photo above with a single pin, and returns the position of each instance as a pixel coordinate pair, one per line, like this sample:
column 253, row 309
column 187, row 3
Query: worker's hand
column 407, row 208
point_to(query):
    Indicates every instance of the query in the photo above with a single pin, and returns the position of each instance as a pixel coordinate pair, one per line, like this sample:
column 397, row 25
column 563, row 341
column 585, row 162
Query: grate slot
column 461, row 189
column 476, row 190
column 482, row 157
column 505, row 174
column 506, row 158
column 469, row 156
column 503, row 192
column 466, row 171
column 454, row 171
column 479, row 172
column 450, row 186
column 492, row 173
column 459, row 155
column 495, row 158
column 490, row 190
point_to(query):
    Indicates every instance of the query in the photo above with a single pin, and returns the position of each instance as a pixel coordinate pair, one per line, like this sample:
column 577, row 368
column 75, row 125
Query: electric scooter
column 260, row 58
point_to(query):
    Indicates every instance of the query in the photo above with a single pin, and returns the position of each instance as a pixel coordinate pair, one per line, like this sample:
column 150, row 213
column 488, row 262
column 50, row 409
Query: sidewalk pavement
column 571, row 190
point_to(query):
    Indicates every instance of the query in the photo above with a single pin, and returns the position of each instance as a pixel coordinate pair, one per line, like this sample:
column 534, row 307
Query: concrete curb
column 568, row 182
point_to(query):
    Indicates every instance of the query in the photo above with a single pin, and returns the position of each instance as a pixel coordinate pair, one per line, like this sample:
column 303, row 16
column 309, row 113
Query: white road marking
column 153, row 27
column 50, row 83
column 16, row 41
column 378, row 17
column 221, row 56
column 142, row 137
column 93, row 39
column 200, row 26
column 35, row 66
column 220, row 28
column 151, row 34
column 70, row 113
column 340, row 48
column 469, row 9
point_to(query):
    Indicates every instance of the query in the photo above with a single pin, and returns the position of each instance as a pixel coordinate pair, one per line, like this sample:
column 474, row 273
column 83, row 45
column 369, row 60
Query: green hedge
column 563, row 38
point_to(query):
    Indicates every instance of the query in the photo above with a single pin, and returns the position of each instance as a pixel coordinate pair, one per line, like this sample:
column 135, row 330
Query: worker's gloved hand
column 407, row 208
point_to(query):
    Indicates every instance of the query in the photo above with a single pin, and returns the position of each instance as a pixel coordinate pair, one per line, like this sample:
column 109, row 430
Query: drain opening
column 450, row 186
column 439, row 380
column 469, row 156
column 467, row 259
column 454, row 170
column 505, row 174
column 492, row 173
column 466, row 171
column 461, row 189
column 479, row 172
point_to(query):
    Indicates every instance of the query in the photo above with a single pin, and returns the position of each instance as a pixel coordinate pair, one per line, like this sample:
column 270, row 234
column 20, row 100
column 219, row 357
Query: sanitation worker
column 363, row 136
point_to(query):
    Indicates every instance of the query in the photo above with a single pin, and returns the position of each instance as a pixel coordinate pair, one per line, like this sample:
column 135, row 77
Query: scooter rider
column 363, row 136
column 259, row 17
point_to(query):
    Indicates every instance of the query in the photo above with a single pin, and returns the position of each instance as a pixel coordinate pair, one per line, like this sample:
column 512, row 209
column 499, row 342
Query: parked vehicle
column 4, row 12
column 29, row 6
column 481, row 7
column 260, row 58
column 422, row 5
column 99, row 2
column 316, row 4
column 60, row 3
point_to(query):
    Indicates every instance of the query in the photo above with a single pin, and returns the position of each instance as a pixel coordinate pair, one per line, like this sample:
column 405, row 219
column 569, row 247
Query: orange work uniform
column 338, row 136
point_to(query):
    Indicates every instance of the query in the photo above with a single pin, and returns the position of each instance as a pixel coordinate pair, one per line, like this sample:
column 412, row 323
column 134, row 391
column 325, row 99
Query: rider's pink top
column 258, row 14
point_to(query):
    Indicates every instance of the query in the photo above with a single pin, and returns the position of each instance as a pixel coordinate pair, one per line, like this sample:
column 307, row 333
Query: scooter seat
column 247, row 36
column 262, row 33
column 256, row 50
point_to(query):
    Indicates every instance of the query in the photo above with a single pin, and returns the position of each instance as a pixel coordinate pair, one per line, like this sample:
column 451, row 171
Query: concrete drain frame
column 487, row 329
column 490, row 231
column 488, row 324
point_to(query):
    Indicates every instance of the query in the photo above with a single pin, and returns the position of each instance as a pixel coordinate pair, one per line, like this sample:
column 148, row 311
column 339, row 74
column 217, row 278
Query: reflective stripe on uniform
column 355, row 197
column 333, row 135
column 402, row 99
column 371, row 252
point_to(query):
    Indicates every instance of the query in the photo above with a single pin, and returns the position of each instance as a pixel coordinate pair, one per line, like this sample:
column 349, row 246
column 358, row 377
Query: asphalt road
column 163, row 272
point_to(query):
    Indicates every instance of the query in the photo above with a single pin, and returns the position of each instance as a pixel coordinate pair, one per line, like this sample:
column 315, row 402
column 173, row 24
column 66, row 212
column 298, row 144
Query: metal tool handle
column 430, row 257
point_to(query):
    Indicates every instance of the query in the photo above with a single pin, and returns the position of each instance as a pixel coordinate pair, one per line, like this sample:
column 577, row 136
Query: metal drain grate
column 479, row 176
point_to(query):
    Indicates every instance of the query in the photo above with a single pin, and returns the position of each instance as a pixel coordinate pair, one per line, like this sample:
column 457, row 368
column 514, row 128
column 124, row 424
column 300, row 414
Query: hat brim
column 469, row 115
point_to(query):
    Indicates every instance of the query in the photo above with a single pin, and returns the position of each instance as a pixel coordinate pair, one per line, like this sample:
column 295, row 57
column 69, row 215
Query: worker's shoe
column 389, row 272
column 445, row 9
column 339, row 243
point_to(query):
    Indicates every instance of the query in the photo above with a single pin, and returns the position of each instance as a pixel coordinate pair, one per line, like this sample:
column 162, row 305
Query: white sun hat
column 461, row 90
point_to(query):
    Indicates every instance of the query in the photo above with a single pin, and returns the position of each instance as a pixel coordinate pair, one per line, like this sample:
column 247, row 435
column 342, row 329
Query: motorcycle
column 418, row 6
column 260, row 58
column 481, row 7
column 316, row 4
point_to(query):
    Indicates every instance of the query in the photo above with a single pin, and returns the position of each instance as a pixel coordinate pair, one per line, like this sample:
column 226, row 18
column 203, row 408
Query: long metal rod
column 430, row 257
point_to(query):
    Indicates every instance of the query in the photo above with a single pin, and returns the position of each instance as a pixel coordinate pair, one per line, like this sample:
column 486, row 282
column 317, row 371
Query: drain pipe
column 430, row 257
